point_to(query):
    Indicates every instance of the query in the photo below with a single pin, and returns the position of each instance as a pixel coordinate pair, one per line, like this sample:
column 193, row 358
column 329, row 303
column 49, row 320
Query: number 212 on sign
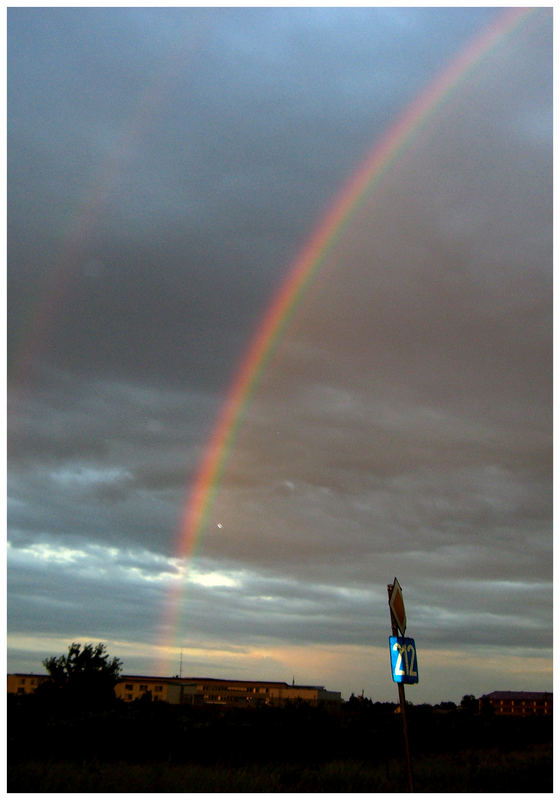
column 404, row 661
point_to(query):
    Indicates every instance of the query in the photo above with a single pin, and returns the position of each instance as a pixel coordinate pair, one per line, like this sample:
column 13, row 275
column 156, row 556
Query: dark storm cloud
column 164, row 168
column 187, row 155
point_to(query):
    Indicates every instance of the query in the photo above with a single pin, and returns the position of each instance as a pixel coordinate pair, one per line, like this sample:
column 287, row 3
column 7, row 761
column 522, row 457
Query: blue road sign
column 404, row 661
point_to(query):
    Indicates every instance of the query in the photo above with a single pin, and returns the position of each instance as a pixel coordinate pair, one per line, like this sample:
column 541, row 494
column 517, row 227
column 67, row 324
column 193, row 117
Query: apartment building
column 24, row 683
column 221, row 691
column 136, row 687
column 517, row 703
column 198, row 691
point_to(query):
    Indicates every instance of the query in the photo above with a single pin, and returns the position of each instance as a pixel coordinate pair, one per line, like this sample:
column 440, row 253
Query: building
column 219, row 691
column 198, row 691
column 128, row 689
column 517, row 703
column 24, row 683
column 136, row 687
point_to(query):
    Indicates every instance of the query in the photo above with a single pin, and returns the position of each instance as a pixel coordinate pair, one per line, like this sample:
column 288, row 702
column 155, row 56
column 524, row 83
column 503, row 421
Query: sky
column 165, row 169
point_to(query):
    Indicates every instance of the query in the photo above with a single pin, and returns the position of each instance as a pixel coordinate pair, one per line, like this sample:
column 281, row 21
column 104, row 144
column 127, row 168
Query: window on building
column 158, row 688
column 128, row 686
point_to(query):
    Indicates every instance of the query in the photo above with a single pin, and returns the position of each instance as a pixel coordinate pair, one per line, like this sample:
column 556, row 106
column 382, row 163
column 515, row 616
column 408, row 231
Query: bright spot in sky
column 220, row 525
column 212, row 579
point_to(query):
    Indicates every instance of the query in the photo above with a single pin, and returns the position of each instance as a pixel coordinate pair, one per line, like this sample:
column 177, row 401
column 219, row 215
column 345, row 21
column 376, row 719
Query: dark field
column 145, row 747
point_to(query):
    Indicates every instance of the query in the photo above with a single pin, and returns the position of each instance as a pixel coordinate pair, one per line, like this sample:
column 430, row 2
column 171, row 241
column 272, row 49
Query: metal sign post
column 398, row 621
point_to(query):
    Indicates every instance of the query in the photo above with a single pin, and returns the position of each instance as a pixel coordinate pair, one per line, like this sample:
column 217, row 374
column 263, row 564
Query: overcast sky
column 165, row 168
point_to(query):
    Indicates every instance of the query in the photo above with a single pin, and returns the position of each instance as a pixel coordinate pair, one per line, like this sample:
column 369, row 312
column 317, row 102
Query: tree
column 446, row 705
column 85, row 676
column 469, row 703
column 486, row 707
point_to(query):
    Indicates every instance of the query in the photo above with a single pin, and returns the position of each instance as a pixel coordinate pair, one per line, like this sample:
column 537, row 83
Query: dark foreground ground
column 146, row 747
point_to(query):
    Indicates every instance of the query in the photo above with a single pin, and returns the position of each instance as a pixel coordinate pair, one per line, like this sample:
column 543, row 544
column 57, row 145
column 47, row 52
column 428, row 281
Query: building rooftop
column 509, row 695
column 231, row 681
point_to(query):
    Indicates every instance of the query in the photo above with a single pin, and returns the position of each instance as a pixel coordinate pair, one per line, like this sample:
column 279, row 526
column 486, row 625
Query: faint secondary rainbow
column 80, row 226
column 301, row 274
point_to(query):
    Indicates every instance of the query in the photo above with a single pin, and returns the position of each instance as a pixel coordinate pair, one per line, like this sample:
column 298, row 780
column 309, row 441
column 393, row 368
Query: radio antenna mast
column 181, row 664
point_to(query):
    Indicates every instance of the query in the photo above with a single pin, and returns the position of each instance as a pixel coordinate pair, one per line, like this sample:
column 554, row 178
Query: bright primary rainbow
column 301, row 274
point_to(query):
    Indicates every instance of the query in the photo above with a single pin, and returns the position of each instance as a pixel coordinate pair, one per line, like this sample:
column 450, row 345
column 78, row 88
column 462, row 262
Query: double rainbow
column 302, row 273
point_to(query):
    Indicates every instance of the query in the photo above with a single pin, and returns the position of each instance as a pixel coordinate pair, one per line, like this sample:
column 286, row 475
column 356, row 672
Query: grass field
column 470, row 771
column 154, row 747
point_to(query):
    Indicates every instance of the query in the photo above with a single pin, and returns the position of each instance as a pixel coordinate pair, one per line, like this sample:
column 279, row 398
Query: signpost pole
column 402, row 702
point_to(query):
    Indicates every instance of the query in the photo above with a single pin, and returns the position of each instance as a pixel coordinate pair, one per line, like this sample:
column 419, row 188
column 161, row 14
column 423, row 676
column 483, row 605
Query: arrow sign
column 396, row 604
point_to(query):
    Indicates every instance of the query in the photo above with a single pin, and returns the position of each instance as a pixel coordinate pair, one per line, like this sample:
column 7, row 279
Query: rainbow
column 302, row 273
column 80, row 226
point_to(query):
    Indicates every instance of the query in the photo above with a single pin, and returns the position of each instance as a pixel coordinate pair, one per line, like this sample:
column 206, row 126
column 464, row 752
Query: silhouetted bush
column 85, row 677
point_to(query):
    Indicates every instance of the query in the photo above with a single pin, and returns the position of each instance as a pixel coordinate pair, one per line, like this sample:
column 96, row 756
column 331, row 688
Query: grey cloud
column 450, row 612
